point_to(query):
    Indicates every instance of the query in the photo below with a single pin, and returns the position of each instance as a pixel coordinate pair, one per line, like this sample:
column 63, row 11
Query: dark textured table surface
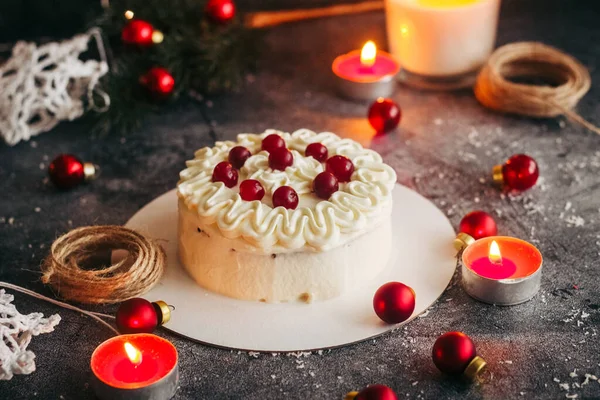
column 444, row 149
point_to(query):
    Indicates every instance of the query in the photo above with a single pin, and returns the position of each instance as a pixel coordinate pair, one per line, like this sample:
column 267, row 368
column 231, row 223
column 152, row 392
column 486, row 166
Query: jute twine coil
column 494, row 90
column 128, row 278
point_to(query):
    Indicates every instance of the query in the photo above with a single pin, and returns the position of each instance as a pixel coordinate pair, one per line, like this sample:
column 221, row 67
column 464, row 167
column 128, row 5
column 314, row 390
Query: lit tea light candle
column 501, row 270
column 365, row 74
column 140, row 366
column 441, row 43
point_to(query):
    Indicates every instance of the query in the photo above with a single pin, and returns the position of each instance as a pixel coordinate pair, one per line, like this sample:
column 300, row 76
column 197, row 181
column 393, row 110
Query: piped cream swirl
column 357, row 207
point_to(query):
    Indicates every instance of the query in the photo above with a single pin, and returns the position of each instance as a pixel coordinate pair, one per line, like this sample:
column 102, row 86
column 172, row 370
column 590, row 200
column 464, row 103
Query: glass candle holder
column 441, row 44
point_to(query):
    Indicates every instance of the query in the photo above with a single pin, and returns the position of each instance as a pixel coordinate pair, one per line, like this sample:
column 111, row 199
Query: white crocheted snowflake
column 17, row 330
column 41, row 86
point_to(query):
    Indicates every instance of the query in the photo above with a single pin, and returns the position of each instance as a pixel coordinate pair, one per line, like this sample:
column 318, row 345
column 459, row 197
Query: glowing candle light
column 368, row 54
column 134, row 354
column 494, row 254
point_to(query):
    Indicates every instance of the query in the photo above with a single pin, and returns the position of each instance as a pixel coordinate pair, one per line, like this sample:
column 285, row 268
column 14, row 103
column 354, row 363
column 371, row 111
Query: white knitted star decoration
column 16, row 331
column 41, row 86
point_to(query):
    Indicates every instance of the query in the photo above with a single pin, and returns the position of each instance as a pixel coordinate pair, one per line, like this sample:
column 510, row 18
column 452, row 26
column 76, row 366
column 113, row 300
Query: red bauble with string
column 137, row 32
column 478, row 224
column 520, row 172
column 136, row 315
column 159, row 82
column 384, row 115
column 452, row 352
column 394, row 302
column 376, row 392
column 66, row 171
column 220, row 11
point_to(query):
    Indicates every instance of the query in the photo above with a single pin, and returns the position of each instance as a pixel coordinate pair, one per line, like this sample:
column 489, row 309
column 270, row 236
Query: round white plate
column 423, row 258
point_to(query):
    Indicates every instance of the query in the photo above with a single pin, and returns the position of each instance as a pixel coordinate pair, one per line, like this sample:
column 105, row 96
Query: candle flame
column 134, row 354
column 495, row 256
column 368, row 54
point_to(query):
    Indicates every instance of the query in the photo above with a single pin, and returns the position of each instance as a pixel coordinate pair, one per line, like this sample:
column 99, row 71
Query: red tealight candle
column 366, row 74
column 139, row 366
column 501, row 270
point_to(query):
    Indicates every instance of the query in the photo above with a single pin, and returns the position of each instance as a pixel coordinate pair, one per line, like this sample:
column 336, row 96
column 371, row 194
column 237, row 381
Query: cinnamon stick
column 264, row 19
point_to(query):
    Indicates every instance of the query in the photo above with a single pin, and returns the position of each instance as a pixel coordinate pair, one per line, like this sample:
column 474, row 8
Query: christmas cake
column 282, row 217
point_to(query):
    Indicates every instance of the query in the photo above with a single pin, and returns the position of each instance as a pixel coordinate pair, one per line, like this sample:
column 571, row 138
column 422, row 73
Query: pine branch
column 202, row 56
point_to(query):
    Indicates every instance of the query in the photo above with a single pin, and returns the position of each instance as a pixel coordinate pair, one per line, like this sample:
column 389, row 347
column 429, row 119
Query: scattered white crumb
column 273, row 376
column 481, row 180
column 556, row 380
column 573, row 374
column 299, row 354
column 311, row 373
column 415, row 383
column 564, row 386
column 571, row 396
column 320, row 352
column 568, row 206
column 11, row 220
column 34, row 144
column 254, row 354
column 37, row 209
column 42, row 166
column 562, row 123
column 575, row 221
column 508, row 361
column 522, row 393
column 438, row 121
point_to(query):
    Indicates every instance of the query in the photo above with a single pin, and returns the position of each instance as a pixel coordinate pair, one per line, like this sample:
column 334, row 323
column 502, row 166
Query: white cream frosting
column 319, row 225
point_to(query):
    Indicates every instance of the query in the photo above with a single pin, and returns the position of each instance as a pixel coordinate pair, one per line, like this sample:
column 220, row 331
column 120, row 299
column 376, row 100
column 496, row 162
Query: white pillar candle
column 441, row 38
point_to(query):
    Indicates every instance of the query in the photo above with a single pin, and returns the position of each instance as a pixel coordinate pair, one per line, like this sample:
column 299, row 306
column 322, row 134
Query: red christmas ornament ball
column 341, row 167
column 251, row 189
column 272, row 142
column 220, row 11
column 478, row 224
column 520, row 172
column 280, row 158
column 317, row 151
column 384, row 115
column 136, row 315
column 66, row 171
column 285, row 197
column 325, row 184
column 238, row 156
column 159, row 81
column 394, row 302
column 452, row 352
column 376, row 392
column 137, row 32
column 224, row 172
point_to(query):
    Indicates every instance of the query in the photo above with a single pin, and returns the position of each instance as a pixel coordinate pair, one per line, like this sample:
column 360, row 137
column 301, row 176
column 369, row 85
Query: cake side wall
column 217, row 264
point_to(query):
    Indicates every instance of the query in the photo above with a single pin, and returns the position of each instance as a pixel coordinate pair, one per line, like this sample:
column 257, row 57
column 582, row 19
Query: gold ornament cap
column 350, row 395
column 475, row 367
column 163, row 310
column 90, row 171
column 497, row 175
column 462, row 241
